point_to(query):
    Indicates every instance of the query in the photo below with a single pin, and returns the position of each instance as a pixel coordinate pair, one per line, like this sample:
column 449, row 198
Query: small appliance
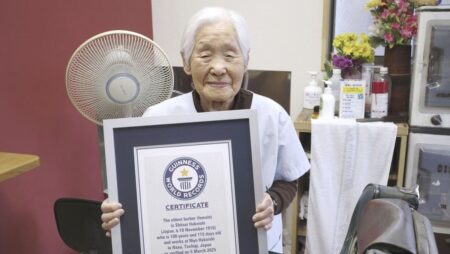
column 430, row 92
column 429, row 168
column 428, row 163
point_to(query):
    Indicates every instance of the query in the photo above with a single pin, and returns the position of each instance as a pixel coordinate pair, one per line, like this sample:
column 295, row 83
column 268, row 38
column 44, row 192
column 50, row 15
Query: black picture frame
column 122, row 136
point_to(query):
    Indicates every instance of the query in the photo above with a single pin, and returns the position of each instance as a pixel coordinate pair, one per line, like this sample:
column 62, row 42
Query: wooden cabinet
column 303, row 126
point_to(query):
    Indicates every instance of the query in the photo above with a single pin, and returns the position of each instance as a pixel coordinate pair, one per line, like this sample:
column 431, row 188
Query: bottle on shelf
column 327, row 104
column 335, row 86
column 380, row 94
column 367, row 75
column 315, row 113
column 312, row 92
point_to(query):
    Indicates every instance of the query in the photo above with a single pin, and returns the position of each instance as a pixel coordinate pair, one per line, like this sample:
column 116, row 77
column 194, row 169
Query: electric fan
column 118, row 74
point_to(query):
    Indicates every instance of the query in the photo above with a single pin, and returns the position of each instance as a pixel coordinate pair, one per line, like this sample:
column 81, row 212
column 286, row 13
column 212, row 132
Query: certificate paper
column 186, row 198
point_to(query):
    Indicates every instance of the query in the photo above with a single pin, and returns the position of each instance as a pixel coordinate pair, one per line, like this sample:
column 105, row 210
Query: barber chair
column 385, row 221
column 79, row 225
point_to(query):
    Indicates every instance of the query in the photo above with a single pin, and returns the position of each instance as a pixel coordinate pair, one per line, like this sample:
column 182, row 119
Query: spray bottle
column 335, row 86
column 327, row 101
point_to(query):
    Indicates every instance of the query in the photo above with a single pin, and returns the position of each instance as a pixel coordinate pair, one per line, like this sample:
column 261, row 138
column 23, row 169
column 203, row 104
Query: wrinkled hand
column 110, row 215
column 264, row 213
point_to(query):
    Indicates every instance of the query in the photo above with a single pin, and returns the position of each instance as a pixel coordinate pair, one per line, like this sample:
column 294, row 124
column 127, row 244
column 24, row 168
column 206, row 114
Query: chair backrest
column 79, row 225
column 385, row 220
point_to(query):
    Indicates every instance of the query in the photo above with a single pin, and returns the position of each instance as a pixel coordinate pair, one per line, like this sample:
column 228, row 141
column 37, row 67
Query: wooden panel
column 14, row 164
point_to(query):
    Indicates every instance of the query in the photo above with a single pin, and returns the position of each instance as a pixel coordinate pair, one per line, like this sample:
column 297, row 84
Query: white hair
column 211, row 15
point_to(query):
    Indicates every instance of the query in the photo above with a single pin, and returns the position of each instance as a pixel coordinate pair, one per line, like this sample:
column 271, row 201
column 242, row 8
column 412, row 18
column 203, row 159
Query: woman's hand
column 264, row 213
column 110, row 215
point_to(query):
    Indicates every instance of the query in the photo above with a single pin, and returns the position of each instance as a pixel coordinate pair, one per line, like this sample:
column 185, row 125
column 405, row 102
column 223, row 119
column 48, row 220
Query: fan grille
column 118, row 74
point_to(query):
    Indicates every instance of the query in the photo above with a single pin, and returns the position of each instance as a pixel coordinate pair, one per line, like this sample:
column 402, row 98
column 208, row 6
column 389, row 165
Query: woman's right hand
column 110, row 215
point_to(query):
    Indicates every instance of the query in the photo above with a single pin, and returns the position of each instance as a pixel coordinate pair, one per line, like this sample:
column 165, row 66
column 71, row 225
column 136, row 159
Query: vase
column 398, row 59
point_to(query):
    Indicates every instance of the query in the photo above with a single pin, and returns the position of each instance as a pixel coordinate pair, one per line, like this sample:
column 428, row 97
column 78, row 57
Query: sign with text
column 352, row 98
column 188, row 184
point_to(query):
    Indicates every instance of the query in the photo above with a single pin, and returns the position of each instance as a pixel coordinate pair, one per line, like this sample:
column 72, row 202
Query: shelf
column 406, row 75
column 303, row 124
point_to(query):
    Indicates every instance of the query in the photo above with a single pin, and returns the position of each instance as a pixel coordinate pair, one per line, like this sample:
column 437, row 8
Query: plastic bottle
column 335, row 86
column 367, row 75
column 380, row 94
column 312, row 92
column 327, row 104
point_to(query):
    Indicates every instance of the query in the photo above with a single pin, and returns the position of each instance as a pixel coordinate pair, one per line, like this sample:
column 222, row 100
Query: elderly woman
column 215, row 51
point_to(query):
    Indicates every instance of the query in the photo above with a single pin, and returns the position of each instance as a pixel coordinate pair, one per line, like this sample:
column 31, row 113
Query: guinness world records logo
column 184, row 178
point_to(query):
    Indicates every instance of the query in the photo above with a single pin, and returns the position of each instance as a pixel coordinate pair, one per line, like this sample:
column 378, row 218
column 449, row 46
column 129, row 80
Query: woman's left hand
column 264, row 213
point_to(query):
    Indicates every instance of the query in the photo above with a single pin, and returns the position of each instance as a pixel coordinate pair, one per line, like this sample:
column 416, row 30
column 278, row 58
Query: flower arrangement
column 394, row 22
column 351, row 51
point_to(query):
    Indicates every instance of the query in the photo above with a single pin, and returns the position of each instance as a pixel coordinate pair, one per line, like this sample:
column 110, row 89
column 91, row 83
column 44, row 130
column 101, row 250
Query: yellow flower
column 337, row 43
column 352, row 36
column 373, row 4
column 347, row 49
column 364, row 38
column 354, row 46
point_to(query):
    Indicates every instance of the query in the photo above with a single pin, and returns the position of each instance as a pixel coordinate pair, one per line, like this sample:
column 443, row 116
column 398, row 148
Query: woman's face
column 217, row 66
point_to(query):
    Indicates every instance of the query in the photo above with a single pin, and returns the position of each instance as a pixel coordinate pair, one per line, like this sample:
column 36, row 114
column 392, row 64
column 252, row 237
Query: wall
column 285, row 35
column 38, row 38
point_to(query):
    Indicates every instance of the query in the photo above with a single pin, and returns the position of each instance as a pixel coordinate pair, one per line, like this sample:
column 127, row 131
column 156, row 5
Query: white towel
column 345, row 157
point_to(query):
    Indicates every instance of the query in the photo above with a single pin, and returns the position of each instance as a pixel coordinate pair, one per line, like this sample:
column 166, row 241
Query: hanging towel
column 345, row 157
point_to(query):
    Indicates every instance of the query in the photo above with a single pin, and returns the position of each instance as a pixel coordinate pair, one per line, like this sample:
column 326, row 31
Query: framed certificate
column 188, row 184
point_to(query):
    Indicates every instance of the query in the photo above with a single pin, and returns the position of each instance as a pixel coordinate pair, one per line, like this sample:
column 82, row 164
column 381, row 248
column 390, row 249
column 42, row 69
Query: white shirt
column 282, row 156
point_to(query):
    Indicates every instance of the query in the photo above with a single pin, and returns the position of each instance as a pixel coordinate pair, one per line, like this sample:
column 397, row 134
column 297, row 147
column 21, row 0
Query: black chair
column 79, row 225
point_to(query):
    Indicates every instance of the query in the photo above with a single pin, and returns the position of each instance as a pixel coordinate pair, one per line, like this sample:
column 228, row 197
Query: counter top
column 14, row 164
column 303, row 123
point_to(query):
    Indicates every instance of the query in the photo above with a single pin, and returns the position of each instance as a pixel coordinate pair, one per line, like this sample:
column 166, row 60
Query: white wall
column 285, row 35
